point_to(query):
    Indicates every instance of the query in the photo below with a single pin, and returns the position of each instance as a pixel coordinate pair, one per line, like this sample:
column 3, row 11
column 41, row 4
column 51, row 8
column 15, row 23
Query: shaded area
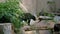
column 1, row 30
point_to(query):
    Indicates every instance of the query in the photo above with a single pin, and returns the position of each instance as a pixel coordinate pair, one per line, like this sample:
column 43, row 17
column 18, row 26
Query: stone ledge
column 6, row 28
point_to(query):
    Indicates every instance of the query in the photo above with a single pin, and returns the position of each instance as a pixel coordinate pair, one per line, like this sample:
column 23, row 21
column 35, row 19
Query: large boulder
column 57, row 19
column 42, row 24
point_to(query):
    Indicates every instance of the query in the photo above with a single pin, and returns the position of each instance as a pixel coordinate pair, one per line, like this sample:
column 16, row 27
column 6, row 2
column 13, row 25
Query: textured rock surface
column 2, row 0
column 42, row 24
column 5, row 28
column 1, row 29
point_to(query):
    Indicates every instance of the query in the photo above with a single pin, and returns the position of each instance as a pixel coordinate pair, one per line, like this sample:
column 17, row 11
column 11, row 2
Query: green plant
column 11, row 11
column 52, row 5
column 50, row 2
column 46, row 14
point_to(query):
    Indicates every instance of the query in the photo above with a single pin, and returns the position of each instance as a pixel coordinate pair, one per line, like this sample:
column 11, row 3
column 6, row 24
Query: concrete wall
column 29, row 6
column 57, row 4
column 35, row 6
column 2, row 0
column 41, row 5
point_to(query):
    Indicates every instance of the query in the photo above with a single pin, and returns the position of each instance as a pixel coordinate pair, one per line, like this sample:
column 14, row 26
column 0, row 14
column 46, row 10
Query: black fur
column 57, row 27
column 28, row 16
column 4, row 20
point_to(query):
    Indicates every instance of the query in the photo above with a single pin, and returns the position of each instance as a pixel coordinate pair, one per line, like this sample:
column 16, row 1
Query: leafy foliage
column 50, row 2
column 46, row 14
column 11, row 11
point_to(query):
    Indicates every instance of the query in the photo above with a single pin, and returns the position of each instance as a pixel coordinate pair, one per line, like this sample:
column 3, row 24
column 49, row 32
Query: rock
column 44, row 17
column 57, row 19
column 26, row 28
column 42, row 24
column 6, row 28
column 1, row 29
column 39, row 24
column 32, row 22
column 30, row 32
column 50, row 24
column 45, row 32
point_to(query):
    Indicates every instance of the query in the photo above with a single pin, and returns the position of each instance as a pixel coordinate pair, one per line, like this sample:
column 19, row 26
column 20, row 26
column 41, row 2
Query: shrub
column 11, row 12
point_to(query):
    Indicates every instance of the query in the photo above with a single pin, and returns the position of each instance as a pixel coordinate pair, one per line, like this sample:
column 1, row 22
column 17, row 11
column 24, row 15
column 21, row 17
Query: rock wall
column 35, row 6
column 57, row 4
column 5, row 28
column 2, row 0
column 29, row 6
